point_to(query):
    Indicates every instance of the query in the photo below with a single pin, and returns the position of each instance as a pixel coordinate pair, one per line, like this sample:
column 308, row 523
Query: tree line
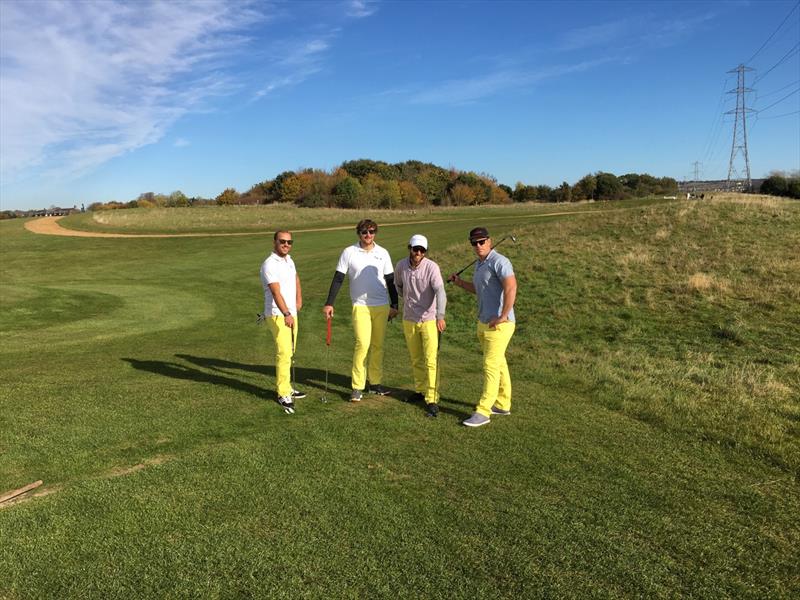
column 365, row 184
column 782, row 184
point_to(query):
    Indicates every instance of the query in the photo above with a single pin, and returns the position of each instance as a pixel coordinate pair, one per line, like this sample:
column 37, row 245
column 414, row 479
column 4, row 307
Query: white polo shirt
column 366, row 271
column 279, row 270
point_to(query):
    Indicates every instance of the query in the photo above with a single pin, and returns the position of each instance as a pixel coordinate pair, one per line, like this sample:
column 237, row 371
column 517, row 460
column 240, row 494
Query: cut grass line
column 50, row 226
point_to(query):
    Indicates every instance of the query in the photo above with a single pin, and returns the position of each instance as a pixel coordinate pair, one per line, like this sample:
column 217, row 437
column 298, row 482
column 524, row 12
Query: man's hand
column 289, row 321
column 493, row 323
column 441, row 325
column 327, row 310
column 393, row 312
column 453, row 278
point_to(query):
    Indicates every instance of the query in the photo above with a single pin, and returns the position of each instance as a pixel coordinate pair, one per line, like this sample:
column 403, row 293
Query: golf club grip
column 328, row 333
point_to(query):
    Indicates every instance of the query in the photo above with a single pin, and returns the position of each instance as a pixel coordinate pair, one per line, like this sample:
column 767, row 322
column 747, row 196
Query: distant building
column 53, row 211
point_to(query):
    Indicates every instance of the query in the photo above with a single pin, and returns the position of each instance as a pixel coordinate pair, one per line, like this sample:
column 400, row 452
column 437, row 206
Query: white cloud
column 361, row 8
column 181, row 143
column 465, row 91
column 83, row 82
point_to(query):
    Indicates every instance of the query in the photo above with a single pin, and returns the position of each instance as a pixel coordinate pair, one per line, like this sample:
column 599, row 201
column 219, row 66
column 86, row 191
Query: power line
column 789, row 114
column 786, row 18
column 785, row 56
column 779, row 101
column 773, row 92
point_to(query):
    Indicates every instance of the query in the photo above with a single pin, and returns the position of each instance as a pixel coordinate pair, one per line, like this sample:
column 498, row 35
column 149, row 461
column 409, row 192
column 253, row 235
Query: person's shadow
column 227, row 373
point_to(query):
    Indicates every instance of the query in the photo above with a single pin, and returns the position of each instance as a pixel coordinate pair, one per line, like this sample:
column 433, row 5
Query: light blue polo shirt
column 488, row 281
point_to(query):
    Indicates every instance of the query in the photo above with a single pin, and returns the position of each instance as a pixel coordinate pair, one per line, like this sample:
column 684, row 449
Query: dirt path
column 50, row 226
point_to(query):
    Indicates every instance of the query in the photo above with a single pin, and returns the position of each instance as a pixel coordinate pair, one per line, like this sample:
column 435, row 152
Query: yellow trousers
column 283, row 352
column 496, row 378
column 422, row 340
column 369, row 325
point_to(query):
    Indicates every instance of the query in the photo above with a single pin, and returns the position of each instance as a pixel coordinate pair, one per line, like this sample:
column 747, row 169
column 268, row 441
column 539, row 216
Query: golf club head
column 513, row 238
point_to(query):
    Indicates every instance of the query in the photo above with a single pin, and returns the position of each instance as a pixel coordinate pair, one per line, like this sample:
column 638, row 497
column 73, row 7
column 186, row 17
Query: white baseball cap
column 418, row 240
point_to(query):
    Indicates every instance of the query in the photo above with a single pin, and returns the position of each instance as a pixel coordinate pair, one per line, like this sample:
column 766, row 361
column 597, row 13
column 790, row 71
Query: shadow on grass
column 224, row 373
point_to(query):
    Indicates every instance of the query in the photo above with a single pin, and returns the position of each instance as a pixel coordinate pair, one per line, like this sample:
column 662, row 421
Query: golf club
column 469, row 264
column 327, row 358
column 436, row 380
column 293, row 381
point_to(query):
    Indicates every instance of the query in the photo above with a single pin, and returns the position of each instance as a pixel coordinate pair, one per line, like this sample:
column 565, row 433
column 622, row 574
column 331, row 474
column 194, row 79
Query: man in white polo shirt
column 282, row 299
column 368, row 267
column 419, row 281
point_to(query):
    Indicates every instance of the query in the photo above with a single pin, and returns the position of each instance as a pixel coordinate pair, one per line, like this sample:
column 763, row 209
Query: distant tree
column 410, row 194
column 507, row 189
column 609, row 187
column 461, row 194
column 793, row 188
column 316, row 188
column 177, row 198
column 563, row 193
column 363, row 167
column 775, row 185
column 144, row 203
column 499, row 195
column 228, row 197
column 390, row 194
column 287, row 187
column 524, row 193
column 585, row 189
column 433, row 182
column 347, row 192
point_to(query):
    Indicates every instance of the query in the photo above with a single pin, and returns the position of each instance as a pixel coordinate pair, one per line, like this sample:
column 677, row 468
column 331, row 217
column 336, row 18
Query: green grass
column 266, row 218
column 653, row 449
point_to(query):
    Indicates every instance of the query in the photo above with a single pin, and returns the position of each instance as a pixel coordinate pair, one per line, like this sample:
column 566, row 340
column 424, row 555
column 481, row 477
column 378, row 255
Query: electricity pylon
column 735, row 179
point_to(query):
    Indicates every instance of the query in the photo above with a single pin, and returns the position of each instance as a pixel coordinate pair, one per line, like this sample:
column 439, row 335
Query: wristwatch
column 287, row 314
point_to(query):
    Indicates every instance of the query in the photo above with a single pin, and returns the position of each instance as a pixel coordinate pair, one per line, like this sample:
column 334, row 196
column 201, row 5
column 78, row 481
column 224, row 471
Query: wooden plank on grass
column 18, row 492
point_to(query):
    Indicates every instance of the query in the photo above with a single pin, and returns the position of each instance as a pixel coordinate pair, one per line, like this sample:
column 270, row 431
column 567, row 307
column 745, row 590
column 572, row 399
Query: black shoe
column 415, row 397
column 297, row 394
column 432, row 410
column 287, row 404
column 378, row 390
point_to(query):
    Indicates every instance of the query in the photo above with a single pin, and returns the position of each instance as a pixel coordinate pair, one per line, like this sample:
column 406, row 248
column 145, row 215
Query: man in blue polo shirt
column 495, row 285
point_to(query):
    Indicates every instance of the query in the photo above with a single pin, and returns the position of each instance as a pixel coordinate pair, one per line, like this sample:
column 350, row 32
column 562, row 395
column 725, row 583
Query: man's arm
column 509, row 296
column 336, row 284
column 299, row 295
column 389, row 278
column 275, row 288
column 463, row 284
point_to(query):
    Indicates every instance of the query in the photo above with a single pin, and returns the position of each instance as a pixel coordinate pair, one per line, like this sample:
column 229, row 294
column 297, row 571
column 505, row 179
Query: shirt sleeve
column 441, row 296
column 398, row 277
column 268, row 273
column 503, row 268
column 344, row 260
column 387, row 269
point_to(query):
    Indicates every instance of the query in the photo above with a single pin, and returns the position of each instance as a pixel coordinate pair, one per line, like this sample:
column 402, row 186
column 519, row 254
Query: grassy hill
column 653, row 449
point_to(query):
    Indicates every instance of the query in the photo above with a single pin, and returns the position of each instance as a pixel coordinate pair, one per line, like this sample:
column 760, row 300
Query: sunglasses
column 418, row 249
column 479, row 242
column 286, row 242
column 367, row 231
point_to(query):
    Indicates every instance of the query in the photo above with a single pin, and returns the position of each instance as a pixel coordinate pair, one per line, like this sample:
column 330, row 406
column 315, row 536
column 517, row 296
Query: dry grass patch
column 703, row 283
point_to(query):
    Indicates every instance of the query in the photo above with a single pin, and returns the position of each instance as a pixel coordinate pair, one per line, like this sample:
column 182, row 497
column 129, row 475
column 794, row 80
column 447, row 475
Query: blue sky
column 105, row 100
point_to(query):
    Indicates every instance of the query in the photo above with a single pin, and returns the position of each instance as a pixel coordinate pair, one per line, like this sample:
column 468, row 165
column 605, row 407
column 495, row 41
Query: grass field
column 653, row 449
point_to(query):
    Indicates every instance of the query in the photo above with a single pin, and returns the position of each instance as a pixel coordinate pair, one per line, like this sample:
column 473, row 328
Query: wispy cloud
column 465, row 91
column 630, row 33
column 361, row 8
column 84, row 82
column 181, row 143
column 593, row 35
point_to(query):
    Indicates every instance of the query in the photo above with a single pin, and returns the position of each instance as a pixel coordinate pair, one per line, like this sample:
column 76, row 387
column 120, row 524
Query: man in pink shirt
column 419, row 281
